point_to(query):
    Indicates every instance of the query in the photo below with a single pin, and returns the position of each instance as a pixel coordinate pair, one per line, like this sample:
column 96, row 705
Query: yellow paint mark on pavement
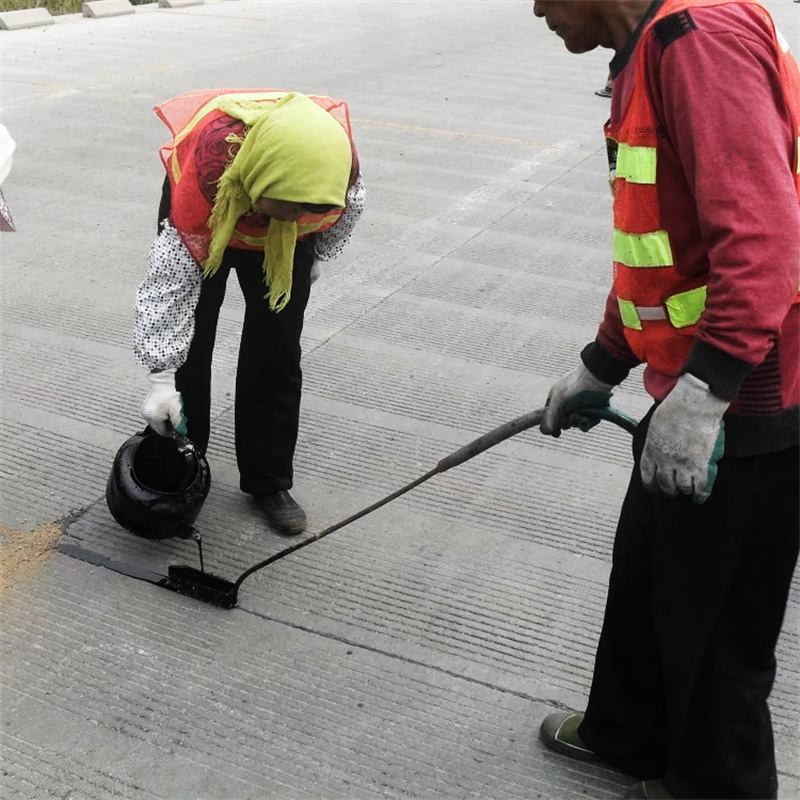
column 53, row 87
column 159, row 66
column 22, row 553
column 399, row 126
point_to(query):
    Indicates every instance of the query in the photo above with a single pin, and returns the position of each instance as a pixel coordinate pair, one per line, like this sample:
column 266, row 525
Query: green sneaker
column 559, row 731
column 648, row 790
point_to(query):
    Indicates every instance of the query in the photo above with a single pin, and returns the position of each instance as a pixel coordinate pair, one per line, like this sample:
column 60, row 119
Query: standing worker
column 265, row 183
column 703, row 149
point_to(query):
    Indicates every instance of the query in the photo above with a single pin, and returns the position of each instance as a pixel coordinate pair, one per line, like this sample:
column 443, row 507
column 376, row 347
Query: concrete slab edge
column 25, row 18
column 107, row 8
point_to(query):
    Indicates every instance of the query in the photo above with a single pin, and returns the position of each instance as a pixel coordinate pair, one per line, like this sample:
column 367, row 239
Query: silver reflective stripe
column 650, row 313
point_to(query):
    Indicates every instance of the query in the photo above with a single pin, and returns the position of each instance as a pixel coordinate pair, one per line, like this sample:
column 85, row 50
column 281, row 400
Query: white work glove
column 163, row 406
column 576, row 389
column 685, row 440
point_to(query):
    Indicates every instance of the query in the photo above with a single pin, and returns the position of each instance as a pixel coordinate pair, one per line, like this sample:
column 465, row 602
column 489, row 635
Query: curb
column 92, row 9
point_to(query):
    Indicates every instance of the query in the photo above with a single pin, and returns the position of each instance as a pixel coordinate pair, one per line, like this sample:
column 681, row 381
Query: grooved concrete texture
column 413, row 653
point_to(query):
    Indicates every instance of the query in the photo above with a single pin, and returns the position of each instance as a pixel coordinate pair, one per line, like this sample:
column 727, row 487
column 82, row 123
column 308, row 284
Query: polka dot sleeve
column 165, row 303
column 331, row 243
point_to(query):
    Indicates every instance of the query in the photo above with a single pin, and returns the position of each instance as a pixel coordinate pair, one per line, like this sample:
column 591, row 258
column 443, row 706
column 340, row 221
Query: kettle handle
column 188, row 449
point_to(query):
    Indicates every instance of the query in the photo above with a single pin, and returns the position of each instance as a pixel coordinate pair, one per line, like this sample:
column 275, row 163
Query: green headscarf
column 294, row 150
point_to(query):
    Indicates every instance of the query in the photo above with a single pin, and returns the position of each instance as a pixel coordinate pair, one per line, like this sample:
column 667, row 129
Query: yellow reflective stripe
column 311, row 227
column 627, row 310
column 253, row 241
column 686, row 308
column 636, row 164
column 302, row 229
column 642, row 249
column 176, row 167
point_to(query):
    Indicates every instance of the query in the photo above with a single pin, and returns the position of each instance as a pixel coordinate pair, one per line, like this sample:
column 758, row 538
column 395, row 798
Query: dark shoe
column 606, row 90
column 559, row 732
column 648, row 790
column 282, row 512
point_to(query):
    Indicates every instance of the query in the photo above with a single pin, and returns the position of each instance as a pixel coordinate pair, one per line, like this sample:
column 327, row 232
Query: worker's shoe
column 282, row 512
column 607, row 91
column 648, row 790
column 559, row 731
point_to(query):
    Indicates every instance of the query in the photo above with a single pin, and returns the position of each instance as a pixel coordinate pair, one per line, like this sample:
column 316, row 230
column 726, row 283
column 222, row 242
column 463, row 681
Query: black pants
column 268, row 374
column 696, row 601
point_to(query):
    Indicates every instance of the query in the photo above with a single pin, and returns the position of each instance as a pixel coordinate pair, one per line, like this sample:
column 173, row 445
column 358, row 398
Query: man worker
column 703, row 151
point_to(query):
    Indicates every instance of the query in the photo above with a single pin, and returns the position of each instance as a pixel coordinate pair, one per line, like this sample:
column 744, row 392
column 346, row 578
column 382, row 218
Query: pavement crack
column 549, row 701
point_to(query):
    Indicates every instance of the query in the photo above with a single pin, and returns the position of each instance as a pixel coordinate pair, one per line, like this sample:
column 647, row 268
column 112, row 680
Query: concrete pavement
column 414, row 653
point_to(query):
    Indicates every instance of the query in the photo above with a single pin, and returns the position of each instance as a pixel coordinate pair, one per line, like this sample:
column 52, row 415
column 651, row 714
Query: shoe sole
column 548, row 733
column 285, row 530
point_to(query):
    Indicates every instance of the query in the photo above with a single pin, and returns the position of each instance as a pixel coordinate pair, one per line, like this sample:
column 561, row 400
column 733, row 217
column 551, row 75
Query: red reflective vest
column 659, row 307
column 187, row 117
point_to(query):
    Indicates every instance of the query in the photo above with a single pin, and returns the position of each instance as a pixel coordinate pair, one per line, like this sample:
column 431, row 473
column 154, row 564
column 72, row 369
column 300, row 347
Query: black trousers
column 696, row 600
column 268, row 374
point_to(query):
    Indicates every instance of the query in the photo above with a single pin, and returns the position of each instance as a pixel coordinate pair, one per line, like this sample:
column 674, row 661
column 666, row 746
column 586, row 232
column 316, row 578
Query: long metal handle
column 465, row 453
column 523, row 423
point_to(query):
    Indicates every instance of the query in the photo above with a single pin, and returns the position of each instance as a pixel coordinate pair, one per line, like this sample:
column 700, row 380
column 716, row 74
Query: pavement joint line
column 150, row 577
column 76, row 514
column 556, row 704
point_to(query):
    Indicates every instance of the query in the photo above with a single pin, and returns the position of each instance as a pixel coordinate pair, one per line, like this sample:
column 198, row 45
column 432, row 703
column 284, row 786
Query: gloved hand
column 315, row 271
column 685, row 440
column 163, row 406
column 576, row 389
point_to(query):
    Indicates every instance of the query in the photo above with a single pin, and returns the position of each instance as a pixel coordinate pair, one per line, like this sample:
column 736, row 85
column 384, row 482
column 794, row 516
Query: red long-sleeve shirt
column 728, row 202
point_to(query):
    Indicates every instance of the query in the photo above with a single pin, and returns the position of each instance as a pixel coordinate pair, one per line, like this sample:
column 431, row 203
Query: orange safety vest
column 187, row 116
column 660, row 308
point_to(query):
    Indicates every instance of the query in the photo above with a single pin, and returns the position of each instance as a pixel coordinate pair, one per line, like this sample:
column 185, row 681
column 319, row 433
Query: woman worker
column 264, row 183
